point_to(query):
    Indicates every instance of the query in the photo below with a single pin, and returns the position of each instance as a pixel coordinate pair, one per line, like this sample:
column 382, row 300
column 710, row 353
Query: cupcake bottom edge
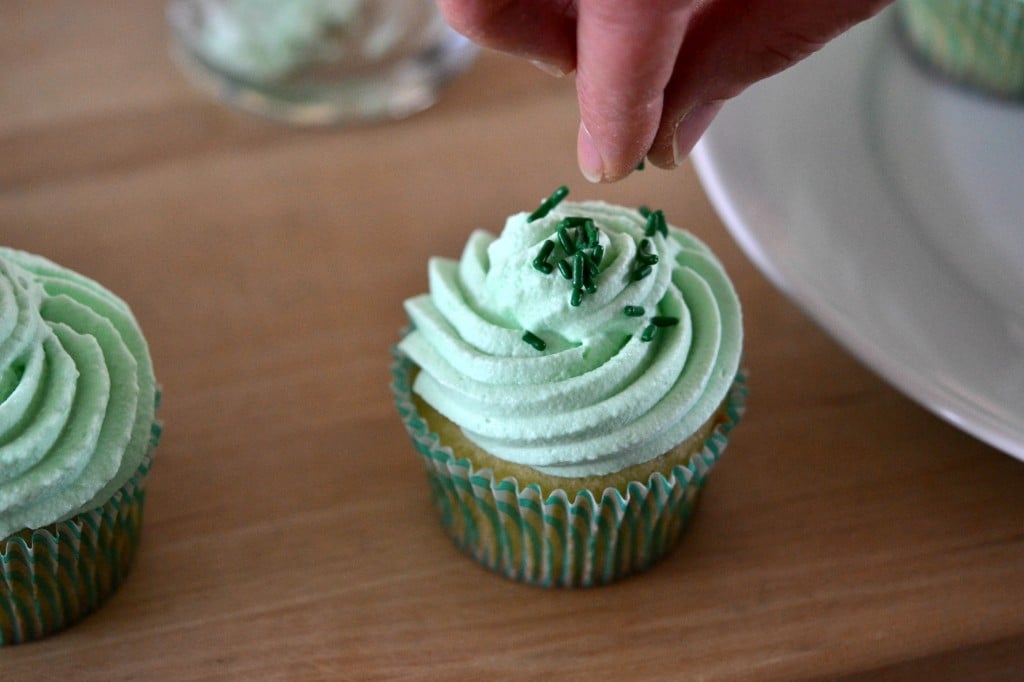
column 55, row 576
column 552, row 540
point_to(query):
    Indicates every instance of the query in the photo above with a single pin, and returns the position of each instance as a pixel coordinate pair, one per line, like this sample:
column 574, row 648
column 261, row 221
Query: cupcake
column 77, row 407
column 978, row 43
column 569, row 385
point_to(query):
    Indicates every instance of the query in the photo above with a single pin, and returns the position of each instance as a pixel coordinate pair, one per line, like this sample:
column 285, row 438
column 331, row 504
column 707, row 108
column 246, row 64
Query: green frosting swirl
column 598, row 398
column 77, row 393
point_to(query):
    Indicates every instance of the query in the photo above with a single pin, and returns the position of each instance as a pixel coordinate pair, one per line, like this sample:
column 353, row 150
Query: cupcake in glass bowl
column 569, row 384
column 77, row 433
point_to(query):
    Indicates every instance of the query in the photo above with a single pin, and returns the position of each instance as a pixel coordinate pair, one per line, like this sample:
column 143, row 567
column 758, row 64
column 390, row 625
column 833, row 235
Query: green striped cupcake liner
column 977, row 43
column 558, row 542
column 52, row 577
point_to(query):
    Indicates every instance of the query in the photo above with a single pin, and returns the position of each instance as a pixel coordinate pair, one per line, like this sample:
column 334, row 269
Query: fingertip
column 673, row 144
column 691, row 128
column 551, row 68
column 588, row 156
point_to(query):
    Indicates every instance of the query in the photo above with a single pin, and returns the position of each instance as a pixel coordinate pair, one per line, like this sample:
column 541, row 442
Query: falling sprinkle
column 548, row 204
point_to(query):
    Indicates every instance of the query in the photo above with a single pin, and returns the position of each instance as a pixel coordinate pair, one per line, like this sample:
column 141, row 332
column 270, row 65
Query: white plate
column 890, row 207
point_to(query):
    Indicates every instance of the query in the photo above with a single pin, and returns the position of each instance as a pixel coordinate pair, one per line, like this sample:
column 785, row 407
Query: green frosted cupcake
column 569, row 385
column 978, row 43
column 77, row 432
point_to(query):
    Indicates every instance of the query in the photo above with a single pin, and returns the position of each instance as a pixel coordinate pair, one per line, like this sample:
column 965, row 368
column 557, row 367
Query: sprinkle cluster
column 578, row 253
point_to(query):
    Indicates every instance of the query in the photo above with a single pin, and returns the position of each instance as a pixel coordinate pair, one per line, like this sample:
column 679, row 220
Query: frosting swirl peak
column 77, row 393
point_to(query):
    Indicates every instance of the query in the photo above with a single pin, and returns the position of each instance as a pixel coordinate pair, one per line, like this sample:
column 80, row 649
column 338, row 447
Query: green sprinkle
column 578, row 265
column 644, row 211
column 647, row 258
column 645, row 245
column 588, row 279
column 568, row 245
column 640, row 166
column 534, row 340
column 593, row 240
column 597, row 255
column 541, row 261
column 545, row 249
column 574, row 221
column 652, row 224
column 548, row 204
column 648, row 333
column 565, row 268
column 664, row 321
column 576, row 298
column 633, row 311
column 642, row 272
column 655, row 224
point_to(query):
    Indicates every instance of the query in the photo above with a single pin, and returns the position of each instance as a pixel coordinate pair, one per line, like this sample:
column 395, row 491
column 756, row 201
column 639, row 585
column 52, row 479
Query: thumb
column 731, row 44
column 625, row 53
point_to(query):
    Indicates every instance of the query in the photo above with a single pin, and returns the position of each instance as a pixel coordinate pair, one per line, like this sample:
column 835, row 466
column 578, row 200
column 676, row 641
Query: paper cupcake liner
column 977, row 43
column 54, row 576
column 557, row 541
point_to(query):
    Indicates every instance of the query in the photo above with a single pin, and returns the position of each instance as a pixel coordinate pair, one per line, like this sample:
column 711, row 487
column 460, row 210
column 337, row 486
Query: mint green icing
column 266, row 39
column 77, row 393
column 597, row 399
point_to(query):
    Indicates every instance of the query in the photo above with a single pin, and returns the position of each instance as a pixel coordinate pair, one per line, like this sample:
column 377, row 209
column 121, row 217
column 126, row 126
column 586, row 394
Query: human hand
column 652, row 74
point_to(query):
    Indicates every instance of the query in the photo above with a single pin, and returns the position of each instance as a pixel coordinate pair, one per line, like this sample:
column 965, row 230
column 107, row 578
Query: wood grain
column 289, row 534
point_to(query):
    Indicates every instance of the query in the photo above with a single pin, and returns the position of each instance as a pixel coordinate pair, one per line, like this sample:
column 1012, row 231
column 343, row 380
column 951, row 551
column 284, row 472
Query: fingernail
column 549, row 69
column 690, row 128
column 591, row 164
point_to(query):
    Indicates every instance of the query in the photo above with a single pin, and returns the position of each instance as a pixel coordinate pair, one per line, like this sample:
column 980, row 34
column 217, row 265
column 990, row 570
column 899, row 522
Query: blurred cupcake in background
column 77, row 433
column 976, row 43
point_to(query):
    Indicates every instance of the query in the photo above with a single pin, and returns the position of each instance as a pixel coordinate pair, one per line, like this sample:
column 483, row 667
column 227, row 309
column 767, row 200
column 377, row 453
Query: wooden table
column 289, row 535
